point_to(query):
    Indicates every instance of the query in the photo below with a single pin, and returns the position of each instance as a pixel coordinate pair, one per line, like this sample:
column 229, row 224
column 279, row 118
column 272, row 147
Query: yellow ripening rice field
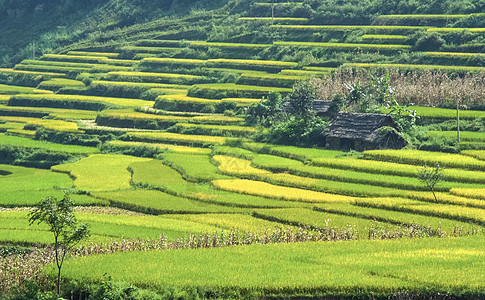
column 236, row 166
column 264, row 189
column 469, row 193
column 58, row 125
column 168, row 147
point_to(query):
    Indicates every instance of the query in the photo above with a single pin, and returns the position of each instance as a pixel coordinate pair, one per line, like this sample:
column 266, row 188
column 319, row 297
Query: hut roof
column 358, row 126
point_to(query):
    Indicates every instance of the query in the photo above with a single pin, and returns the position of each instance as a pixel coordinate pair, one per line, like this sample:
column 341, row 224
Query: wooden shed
column 361, row 132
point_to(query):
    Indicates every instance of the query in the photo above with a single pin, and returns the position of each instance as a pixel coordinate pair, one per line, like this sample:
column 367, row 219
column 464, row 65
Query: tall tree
column 67, row 231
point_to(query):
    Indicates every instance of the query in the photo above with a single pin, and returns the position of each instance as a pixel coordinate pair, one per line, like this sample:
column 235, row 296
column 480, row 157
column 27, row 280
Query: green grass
column 29, row 143
column 276, row 19
column 90, row 176
column 355, row 267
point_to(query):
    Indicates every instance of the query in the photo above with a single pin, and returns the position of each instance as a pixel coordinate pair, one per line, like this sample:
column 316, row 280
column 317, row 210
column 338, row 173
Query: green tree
column 430, row 177
column 67, row 231
column 301, row 99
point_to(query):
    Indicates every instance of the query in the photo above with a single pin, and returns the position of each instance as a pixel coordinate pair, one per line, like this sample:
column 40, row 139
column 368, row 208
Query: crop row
column 278, row 164
column 367, row 28
column 157, row 77
column 29, row 143
column 89, row 176
column 40, row 112
column 464, row 135
column 156, row 174
column 74, row 101
column 353, row 46
column 181, row 102
column 221, row 130
column 117, row 145
column 261, row 65
column 393, row 217
column 426, row 158
column 58, row 125
column 12, row 90
column 232, row 90
column 271, row 80
column 332, row 268
column 168, row 137
column 479, row 154
column 414, row 67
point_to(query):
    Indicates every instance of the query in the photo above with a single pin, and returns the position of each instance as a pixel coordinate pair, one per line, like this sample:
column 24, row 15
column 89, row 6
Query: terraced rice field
column 175, row 157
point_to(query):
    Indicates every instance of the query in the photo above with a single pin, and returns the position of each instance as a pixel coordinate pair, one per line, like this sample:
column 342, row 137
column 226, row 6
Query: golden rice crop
column 423, row 16
column 51, row 74
column 264, row 189
column 177, row 138
column 383, row 37
column 86, row 53
column 4, row 99
column 479, row 154
column 344, row 45
column 169, row 147
column 67, row 98
column 448, row 29
column 288, row 19
column 59, row 125
column 217, row 119
column 73, row 57
column 154, row 75
column 228, row 45
column 239, row 87
column 140, row 84
column 174, row 61
column 253, row 62
column 244, row 130
column 130, row 114
column 235, row 166
column 470, row 193
column 452, row 54
column 349, row 27
column 409, row 66
column 184, row 98
column 426, row 158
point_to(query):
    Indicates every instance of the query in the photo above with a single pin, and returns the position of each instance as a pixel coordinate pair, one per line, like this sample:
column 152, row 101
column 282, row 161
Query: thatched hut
column 363, row 132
